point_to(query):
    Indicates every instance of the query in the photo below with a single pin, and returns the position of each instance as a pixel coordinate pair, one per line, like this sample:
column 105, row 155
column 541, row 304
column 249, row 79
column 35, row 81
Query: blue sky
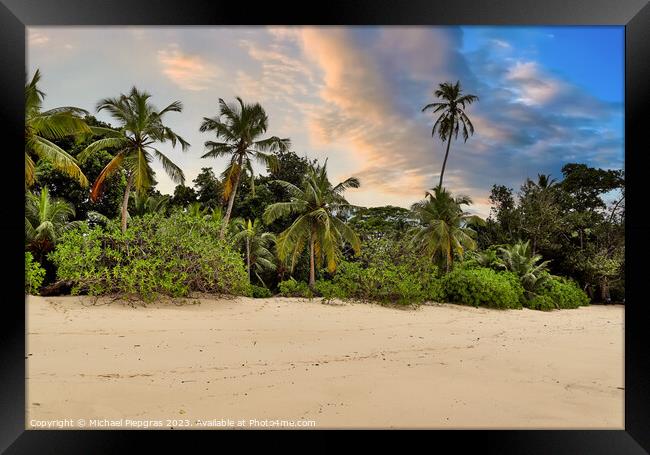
column 548, row 95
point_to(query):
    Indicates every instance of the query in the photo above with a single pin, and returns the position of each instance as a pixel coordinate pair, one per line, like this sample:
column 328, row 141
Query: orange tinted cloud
column 392, row 152
column 189, row 72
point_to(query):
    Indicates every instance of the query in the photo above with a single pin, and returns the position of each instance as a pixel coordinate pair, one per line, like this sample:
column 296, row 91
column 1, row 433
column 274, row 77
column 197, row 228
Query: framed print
column 367, row 216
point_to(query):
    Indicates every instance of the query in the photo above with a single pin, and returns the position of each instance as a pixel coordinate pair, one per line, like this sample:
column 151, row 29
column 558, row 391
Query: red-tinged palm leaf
column 112, row 167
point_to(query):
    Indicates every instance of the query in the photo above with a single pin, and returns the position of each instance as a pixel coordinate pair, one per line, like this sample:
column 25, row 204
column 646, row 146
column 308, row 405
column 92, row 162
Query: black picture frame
column 15, row 15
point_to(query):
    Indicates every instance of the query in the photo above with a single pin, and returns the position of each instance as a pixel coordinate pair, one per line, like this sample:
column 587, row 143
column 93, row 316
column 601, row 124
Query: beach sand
column 226, row 362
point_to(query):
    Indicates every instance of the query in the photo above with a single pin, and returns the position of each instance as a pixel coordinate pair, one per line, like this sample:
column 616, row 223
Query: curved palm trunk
column 444, row 163
column 231, row 201
column 125, row 202
column 312, row 266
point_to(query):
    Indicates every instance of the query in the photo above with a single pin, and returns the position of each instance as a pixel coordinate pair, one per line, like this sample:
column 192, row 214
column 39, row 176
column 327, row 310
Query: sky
column 354, row 95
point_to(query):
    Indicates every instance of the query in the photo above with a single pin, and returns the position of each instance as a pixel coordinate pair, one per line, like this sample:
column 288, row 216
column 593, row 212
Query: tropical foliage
column 317, row 205
column 170, row 256
column 529, row 267
column 34, row 275
column 238, row 129
column 256, row 245
column 46, row 220
column 445, row 228
column 483, row 287
column 42, row 127
column 141, row 127
column 557, row 243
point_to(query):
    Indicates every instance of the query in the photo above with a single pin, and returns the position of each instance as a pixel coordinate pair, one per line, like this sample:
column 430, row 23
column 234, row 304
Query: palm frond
column 112, row 167
column 59, row 158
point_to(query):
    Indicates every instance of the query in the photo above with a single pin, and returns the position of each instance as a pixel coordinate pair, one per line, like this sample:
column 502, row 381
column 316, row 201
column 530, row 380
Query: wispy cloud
column 355, row 94
column 530, row 85
column 35, row 38
column 189, row 72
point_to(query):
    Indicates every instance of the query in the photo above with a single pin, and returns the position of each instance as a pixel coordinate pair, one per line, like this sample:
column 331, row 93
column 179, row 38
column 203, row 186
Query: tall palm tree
column 141, row 127
column 46, row 219
column 452, row 116
column 256, row 244
column 317, row 225
column 43, row 126
column 239, row 127
column 445, row 227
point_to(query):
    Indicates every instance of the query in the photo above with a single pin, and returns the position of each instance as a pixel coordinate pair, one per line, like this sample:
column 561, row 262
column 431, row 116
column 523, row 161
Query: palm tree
column 452, row 115
column 256, row 244
column 43, row 126
column 141, row 127
column 545, row 181
column 317, row 206
column 520, row 259
column 196, row 210
column 46, row 219
column 239, row 128
column 155, row 203
column 445, row 227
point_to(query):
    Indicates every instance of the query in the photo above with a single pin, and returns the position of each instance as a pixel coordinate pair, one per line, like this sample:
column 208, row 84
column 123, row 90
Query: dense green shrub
column 386, row 283
column 328, row 290
column 564, row 293
column 293, row 288
column 516, row 284
column 433, row 289
column 172, row 256
column 483, row 287
column 34, row 275
column 259, row 292
column 541, row 302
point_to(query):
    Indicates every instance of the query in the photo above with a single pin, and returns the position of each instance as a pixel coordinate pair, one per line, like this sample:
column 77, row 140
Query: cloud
column 531, row 86
column 281, row 77
column 501, row 44
column 362, row 107
column 189, row 72
column 354, row 94
column 36, row 38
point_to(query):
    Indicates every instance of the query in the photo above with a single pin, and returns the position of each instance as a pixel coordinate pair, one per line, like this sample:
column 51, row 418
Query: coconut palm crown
column 141, row 127
column 239, row 128
column 46, row 219
column 445, row 228
column 42, row 127
column 317, row 205
column 257, row 246
column 451, row 116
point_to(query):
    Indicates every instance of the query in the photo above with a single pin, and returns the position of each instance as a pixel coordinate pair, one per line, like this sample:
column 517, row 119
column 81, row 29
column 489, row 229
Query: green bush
column 433, row 289
column 293, row 288
column 34, row 275
column 483, row 287
column 541, row 302
column 564, row 293
column 171, row 256
column 387, row 283
column 328, row 290
column 259, row 292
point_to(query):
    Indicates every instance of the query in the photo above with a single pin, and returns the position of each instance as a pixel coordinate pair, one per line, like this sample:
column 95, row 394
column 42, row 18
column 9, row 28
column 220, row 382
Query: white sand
column 351, row 365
